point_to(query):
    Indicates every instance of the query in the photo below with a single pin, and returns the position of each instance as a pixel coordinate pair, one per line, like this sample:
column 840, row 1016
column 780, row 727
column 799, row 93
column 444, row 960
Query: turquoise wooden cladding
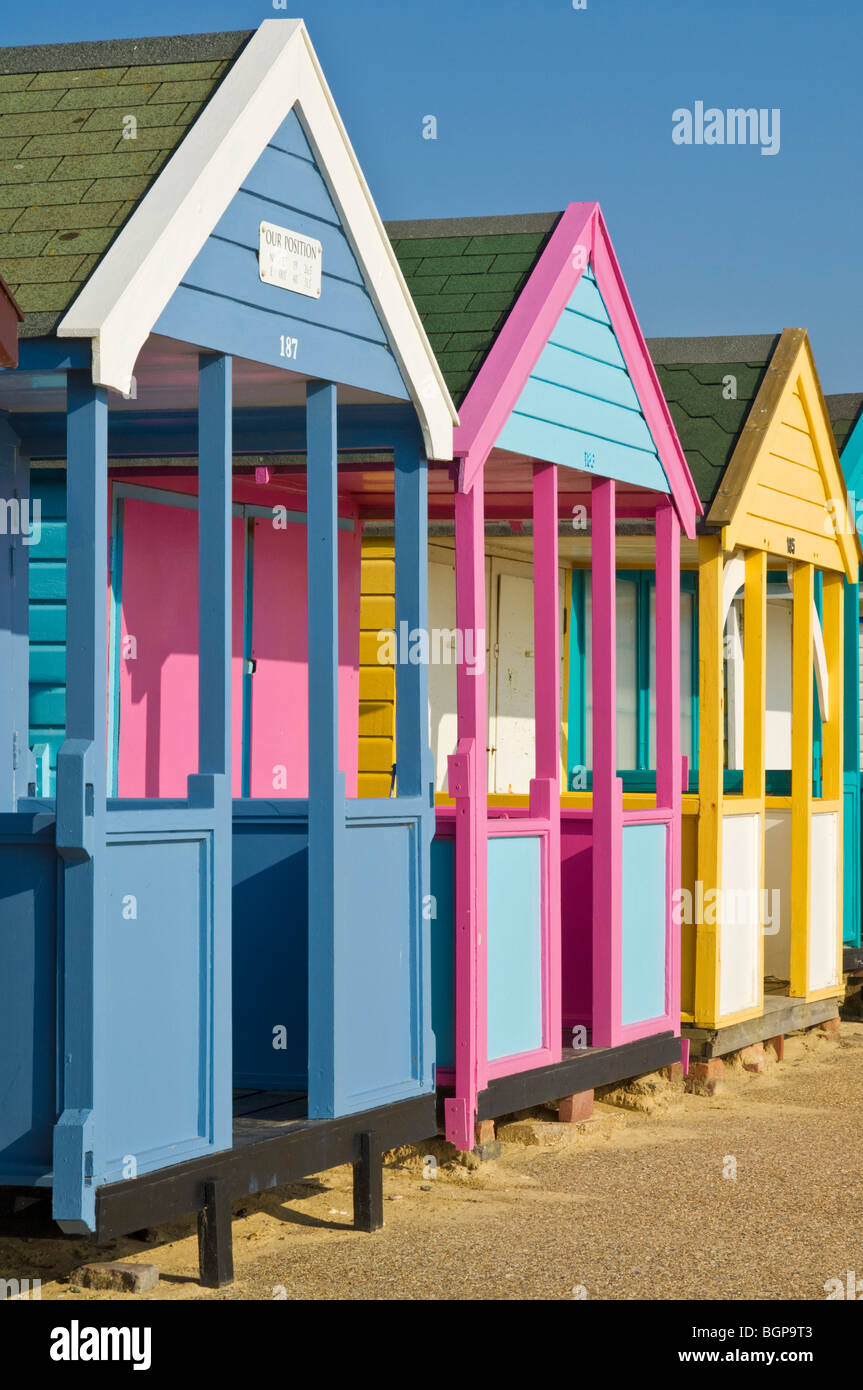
column 222, row 303
column 514, row 946
column 579, row 407
column 47, row 613
column 644, row 891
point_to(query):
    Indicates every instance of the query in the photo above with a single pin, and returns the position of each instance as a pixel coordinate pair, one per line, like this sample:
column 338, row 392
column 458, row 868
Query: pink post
column 668, row 761
column 607, row 788
column 468, row 781
column 545, row 787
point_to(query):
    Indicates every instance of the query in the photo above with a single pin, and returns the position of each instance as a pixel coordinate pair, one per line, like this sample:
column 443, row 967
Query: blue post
column 81, row 808
column 414, row 762
column 212, row 785
column 18, row 531
column 326, row 780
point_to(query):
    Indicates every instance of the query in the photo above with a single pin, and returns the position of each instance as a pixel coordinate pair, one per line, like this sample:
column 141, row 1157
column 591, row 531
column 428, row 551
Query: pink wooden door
column 279, row 734
column 158, row 656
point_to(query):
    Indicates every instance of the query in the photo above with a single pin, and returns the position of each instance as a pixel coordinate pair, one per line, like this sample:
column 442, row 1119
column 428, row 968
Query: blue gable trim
column 223, row 304
column 579, row 407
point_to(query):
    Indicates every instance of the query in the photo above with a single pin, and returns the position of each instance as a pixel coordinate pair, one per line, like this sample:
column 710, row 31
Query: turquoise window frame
column 643, row 777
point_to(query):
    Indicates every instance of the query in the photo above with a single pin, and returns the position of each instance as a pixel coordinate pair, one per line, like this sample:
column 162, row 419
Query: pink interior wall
column 280, row 711
column 576, row 893
column 158, row 689
column 159, row 686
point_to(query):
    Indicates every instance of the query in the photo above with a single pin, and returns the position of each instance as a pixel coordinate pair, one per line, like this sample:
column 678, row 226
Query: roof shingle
column 84, row 131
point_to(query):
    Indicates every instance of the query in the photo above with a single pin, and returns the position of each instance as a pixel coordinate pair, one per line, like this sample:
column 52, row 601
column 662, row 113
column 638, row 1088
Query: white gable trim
column 133, row 282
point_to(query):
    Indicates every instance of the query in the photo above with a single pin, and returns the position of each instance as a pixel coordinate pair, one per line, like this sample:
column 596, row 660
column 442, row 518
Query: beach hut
column 555, row 956
column 762, row 840
column 221, row 374
column 845, row 415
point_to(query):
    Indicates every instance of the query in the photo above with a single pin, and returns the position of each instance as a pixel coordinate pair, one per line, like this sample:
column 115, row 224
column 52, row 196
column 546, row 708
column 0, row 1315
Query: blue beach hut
column 212, row 305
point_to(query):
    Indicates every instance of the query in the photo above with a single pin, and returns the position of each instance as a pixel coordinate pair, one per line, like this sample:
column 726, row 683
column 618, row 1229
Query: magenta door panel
column 576, row 900
column 279, row 707
column 158, row 659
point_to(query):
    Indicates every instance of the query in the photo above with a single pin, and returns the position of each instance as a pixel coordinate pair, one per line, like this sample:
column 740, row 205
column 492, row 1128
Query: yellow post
column 833, row 625
column 803, row 586
column 754, row 673
column 755, row 701
column 710, row 769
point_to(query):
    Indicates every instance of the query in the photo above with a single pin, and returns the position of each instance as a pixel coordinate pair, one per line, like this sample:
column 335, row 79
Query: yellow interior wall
column 377, row 723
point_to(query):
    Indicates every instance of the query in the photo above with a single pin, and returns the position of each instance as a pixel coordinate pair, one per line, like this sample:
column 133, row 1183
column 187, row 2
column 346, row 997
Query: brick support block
column 778, row 1045
column 675, row 1074
column 575, row 1108
column 704, row 1077
column 484, row 1132
column 830, row 1027
column 752, row 1057
column 117, row 1275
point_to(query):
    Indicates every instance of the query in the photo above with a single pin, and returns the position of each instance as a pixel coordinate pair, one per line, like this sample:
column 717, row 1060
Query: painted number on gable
column 289, row 346
column 589, row 458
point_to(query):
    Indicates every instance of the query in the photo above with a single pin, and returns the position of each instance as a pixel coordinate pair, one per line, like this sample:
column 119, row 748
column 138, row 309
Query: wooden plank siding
column 785, row 471
column 377, row 726
column 579, row 406
column 337, row 337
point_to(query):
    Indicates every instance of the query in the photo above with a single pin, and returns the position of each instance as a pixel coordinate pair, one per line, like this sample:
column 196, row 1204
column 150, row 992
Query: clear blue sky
column 538, row 104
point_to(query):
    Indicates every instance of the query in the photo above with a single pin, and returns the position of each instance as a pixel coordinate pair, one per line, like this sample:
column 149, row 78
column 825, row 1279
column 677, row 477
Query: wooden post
column 755, row 705
column 803, row 588
column 754, row 677
column 414, row 761
column 81, row 787
column 368, row 1183
column 215, row 1242
column 17, row 513
column 710, row 770
column 833, row 623
column 545, row 787
column 211, row 785
column 214, row 565
column 326, row 780
column 669, row 772
column 833, row 757
column 413, row 752
column 468, row 782
column 607, row 789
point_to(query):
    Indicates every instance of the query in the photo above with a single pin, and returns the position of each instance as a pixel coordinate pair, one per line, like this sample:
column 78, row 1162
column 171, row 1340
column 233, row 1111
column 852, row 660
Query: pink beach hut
column 555, row 953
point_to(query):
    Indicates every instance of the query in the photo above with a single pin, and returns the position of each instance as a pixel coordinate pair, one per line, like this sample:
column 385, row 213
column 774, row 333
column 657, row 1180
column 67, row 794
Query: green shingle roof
column 844, row 412
column 84, row 130
column 693, row 374
column 465, row 274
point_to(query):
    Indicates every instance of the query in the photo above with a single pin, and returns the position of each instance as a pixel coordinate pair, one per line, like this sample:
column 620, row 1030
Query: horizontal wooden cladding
column 377, row 684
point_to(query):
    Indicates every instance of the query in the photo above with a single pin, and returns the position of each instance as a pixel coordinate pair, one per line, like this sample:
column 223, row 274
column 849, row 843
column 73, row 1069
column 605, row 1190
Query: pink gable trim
column 580, row 236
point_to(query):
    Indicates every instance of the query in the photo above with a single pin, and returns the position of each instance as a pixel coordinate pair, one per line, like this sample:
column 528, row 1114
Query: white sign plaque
column 290, row 260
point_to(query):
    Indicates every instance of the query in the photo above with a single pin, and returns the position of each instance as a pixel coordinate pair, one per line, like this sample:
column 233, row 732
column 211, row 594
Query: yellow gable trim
column 784, row 474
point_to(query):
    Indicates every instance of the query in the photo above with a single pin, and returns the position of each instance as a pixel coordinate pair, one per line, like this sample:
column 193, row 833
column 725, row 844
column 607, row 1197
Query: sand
column 638, row 1203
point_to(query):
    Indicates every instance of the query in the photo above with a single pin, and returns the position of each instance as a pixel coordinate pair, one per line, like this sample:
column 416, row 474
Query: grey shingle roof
column 695, row 374
column 465, row 274
column 84, row 130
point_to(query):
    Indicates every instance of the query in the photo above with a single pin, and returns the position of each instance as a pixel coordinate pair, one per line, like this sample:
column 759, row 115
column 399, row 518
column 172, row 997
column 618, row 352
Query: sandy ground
column 634, row 1205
